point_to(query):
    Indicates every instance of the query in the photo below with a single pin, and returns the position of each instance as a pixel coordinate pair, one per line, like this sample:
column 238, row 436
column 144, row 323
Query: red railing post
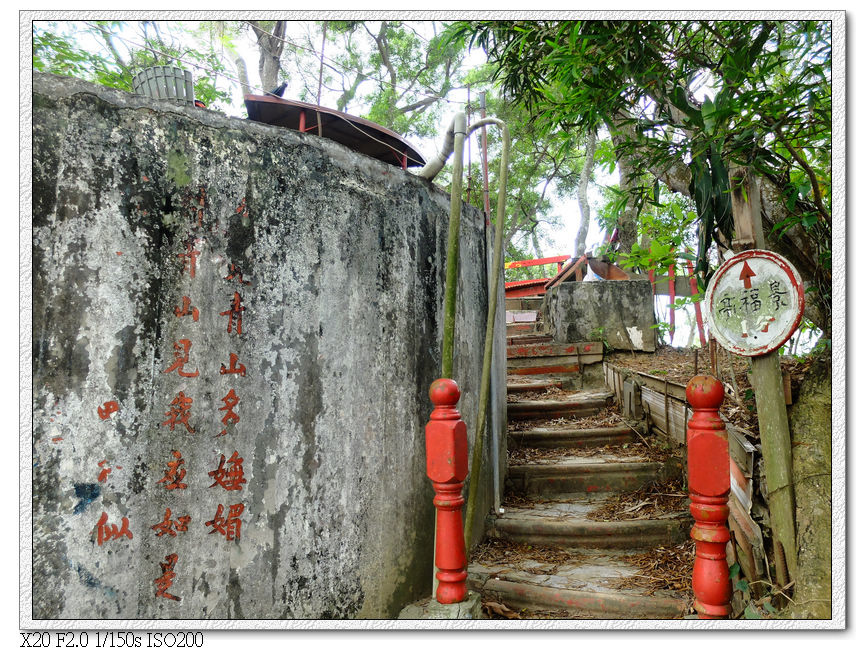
column 447, row 465
column 709, row 487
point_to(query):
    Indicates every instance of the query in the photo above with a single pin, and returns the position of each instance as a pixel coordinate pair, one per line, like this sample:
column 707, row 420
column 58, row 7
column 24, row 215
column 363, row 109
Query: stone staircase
column 545, row 554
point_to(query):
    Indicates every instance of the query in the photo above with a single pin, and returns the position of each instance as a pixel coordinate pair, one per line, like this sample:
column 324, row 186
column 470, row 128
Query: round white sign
column 755, row 301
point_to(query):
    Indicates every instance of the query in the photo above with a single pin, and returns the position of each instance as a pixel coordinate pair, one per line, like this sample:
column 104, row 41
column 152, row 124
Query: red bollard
column 709, row 486
column 447, row 465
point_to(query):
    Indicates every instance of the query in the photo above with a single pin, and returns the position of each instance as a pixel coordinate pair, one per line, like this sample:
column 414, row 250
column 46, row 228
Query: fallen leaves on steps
column 667, row 568
column 606, row 417
column 650, row 502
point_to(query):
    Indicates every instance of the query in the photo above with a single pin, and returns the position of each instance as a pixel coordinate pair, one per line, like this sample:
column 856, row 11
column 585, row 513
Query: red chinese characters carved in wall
column 230, row 401
column 106, row 532
column 189, row 259
column 164, row 582
column 234, row 368
column 175, row 473
column 171, row 527
column 231, row 477
column 235, row 314
column 178, row 412
column 228, row 526
column 181, row 358
column 187, row 309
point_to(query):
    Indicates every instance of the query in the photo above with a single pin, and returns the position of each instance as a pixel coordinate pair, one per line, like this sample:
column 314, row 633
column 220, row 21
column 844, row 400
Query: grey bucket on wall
column 165, row 82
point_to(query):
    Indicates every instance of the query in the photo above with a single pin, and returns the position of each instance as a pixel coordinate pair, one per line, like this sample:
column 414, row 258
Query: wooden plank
column 741, row 450
column 672, row 421
column 527, row 350
column 575, row 359
column 768, row 385
column 657, row 384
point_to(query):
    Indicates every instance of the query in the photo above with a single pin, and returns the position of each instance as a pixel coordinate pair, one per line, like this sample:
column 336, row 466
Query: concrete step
column 515, row 329
column 526, row 357
column 572, row 437
column 528, row 339
column 544, row 366
column 565, row 523
column 581, row 404
column 533, row 385
column 530, row 350
column 602, row 473
column 587, row 589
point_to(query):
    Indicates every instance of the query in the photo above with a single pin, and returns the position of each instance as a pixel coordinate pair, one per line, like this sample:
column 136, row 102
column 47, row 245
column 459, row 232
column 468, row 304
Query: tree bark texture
column 811, row 429
column 270, row 46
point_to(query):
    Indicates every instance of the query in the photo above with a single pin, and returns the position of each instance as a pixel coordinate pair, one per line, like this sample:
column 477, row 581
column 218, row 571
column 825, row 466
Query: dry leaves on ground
column 495, row 610
column 667, row 568
column 649, row 502
column 606, row 417
column 618, row 453
column 498, row 551
column 551, row 393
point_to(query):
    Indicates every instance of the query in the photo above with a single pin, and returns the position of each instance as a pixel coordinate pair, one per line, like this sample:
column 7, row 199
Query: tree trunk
column 627, row 222
column 582, row 195
column 811, row 429
column 270, row 46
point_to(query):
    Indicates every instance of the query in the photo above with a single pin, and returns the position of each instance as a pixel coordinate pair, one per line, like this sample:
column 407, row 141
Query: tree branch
column 815, row 187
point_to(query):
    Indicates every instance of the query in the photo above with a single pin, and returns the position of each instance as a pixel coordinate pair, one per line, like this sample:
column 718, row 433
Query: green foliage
column 754, row 608
column 685, row 101
column 600, row 334
column 541, row 165
column 111, row 53
column 385, row 71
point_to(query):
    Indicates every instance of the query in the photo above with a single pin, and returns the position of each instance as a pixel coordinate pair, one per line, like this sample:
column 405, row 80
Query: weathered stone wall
column 245, row 297
column 620, row 313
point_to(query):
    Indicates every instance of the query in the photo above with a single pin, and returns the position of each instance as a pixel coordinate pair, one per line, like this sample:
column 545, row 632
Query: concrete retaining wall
column 212, row 295
column 620, row 313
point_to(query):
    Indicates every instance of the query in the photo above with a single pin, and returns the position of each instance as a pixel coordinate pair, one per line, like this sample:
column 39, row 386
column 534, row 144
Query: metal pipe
column 435, row 165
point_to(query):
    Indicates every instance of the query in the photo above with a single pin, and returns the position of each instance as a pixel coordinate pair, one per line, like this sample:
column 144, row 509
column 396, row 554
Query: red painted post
column 302, row 124
column 709, row 487
column 447, row 465
column 698, row 311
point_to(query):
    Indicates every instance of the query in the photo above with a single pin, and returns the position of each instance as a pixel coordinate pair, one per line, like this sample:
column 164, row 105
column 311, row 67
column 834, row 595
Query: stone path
column 550, row 556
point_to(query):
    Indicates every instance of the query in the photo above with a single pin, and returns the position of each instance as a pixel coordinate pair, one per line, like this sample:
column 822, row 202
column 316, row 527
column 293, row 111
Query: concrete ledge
column 632, row 533
column 469, row 609
column 589, row 477
column 600, row 605
column 572, row 438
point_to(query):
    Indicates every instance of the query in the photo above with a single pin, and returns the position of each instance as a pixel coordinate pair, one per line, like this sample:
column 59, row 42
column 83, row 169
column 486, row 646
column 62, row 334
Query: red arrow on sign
column 746, row 274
